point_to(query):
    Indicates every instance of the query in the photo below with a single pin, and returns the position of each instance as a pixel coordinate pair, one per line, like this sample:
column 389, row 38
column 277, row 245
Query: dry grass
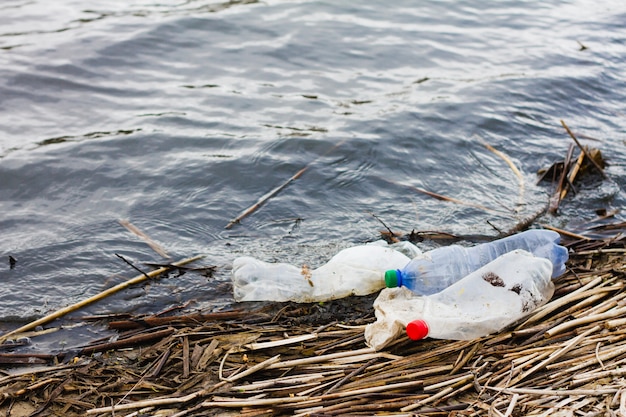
column 567, row 358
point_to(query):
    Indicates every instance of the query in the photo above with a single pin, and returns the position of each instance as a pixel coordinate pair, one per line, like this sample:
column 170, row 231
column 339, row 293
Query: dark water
column 179, row 115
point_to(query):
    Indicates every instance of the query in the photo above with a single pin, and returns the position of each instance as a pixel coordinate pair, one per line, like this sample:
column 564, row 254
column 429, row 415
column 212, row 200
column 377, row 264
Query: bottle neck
column 399, row 277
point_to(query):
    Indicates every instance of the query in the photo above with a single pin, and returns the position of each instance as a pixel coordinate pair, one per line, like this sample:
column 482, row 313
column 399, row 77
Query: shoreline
column 311, row 359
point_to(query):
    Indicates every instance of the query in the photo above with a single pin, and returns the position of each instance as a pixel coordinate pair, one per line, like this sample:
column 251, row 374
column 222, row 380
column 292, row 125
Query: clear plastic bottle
column 436, row 270
column 354, row 271
column 484, row 302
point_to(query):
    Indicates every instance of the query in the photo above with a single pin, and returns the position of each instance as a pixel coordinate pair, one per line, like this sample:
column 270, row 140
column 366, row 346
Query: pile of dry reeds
column 567, row 358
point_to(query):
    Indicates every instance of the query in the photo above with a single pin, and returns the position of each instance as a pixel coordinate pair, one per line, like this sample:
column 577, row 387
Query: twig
column 565, row 232
column 554, row 356
column 558, row 303
column 253, row 369
column 525, row 223
column 97, row 297
column 186, row 359
column 583, row 150
column 392, row 235
column 237, row 403
column 555, row 199
column 147, row 403
column 509, row 162
column 616, row 312
column 158, row 365
column 351, row 375
column 135, row 230
column 276, row 190
column 322, row 358
column 451, row 199
column 370, row 390
column 132, row 265
column 277, row 343
column 555, row 392
column 130, row 341
column 591, row 360
column 466, row 359
column 513, row 403
column 572, row 176
column 453, row 382
column 152, row 321
column 264, row 198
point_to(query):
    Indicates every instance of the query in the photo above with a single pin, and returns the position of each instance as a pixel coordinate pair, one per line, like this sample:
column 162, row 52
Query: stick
column 518, row 174
column 555, row 392
column 266, row 197
column 440, row 394
column 450, row 199
column 186, row 359
column 509, row 410
column 555, row 199
column 583, row 150
column 554, row 356
column 131, row 265
column 253, row 369
column 236, row 403
column 572, row 176
column 525, row 223
column 276, row 190
column 133, row 229
column 147, row 403
column 351, row 375
column 97, row 297
column 558, row 303
column 564, row 232
column 615, row 312
column 130, row 341
column 152, row 321
column 277, row 343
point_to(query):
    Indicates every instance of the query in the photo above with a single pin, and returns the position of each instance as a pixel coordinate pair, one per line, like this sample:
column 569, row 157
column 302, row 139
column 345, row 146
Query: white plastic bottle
column 435, row 270
column 354, row 271
column 484, row 302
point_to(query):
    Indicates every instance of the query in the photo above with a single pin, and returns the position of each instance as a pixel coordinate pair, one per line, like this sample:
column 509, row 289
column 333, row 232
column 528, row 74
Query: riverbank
column 311, row 359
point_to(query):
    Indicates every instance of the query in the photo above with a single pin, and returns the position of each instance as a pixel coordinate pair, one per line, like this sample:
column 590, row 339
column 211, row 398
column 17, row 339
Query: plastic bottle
column 435, row 270
column 354, row 271
column 485, row 301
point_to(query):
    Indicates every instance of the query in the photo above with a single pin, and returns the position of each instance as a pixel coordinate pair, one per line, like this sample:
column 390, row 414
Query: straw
column 92, row 299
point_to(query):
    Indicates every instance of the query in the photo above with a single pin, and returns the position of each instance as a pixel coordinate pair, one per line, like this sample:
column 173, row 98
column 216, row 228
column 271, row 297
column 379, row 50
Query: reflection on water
column 178, row 116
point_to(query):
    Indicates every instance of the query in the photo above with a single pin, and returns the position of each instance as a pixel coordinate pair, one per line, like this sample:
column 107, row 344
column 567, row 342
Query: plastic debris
column 436, row 270
column 485, row 301
column 354, row 271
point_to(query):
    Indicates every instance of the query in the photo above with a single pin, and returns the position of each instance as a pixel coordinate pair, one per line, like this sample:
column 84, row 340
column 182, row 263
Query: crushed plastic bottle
column 484, row 302
column 354, row 271
column 436, row 270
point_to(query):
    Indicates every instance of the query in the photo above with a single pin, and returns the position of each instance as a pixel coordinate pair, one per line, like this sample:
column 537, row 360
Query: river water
column 178, row 115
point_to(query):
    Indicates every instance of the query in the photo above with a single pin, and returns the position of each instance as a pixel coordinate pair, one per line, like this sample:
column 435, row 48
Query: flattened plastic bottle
column 436, row 270
column 354, row 271
column 484, row 302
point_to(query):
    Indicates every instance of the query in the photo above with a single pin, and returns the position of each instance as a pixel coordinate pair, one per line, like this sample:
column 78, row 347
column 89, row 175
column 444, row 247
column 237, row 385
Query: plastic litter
column 354, row 271
column 484, row 302
column 436, row 270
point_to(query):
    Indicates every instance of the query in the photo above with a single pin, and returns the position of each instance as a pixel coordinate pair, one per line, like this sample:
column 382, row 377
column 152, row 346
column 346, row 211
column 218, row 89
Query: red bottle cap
column 417, row 329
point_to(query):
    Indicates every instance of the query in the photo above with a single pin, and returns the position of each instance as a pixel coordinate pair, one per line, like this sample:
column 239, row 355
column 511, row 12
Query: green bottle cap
column 391, row 278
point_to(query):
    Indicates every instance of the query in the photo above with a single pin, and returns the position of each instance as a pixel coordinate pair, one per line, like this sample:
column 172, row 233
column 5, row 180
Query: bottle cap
column 417, row 329
column 391, row 278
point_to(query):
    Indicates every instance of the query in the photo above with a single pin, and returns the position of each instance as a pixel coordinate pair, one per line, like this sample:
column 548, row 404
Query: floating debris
column 295, row 359
column 564, row 173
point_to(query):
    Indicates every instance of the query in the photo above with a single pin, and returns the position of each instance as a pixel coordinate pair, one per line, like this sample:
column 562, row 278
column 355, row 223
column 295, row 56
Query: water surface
column 179, row 115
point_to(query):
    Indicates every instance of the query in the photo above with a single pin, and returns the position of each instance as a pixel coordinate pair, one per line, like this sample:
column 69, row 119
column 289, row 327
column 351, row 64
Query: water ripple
column 180, row 115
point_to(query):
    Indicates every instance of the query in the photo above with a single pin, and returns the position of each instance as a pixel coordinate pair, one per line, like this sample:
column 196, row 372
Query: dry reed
column 289, row 359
